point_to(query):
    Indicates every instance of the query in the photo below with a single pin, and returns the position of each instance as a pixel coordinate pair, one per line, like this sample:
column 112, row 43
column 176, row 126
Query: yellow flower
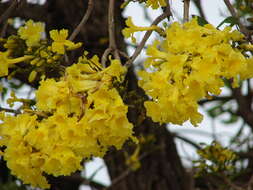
column 31, row 32
column 75, row 122
column 132, row 28
column 214, row 158
column 179, row 63
column 5, row 62
column 60, row 41
column 156, row 3
column 27, row 166
column 133, row 161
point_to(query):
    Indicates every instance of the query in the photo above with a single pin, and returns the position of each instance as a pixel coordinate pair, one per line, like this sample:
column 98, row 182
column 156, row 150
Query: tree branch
column 83, row 21
column 16, row 112
column 10, row 9
column 186, row 10
column 27, row 11
column 111, row 29
column 200, row 8
column 215, row 98
column 147, row 35
column 188, row 141
column 231, row 9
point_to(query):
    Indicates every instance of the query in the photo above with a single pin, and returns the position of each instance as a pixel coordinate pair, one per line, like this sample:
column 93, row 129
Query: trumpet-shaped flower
column 5, row 62
column 31, row 32
column 191, row 57
column 79, row 116
column 132, row 28
column 60, row 41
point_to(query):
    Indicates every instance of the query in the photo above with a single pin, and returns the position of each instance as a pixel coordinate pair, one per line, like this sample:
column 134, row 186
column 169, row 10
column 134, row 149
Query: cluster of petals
column 155, row 4
column 190, row 64
column 77, row 117
column 33, row 47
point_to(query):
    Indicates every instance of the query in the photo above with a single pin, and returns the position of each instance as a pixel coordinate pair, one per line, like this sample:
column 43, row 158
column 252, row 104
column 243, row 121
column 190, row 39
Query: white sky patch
column 97, row 168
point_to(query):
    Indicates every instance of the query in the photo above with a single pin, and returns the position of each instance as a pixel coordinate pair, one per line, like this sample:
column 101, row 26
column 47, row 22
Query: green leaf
column 229, row 20
column 201, row 20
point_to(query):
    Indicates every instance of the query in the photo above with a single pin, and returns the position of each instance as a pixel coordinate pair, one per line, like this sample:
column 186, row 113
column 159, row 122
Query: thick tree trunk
column 161, row 168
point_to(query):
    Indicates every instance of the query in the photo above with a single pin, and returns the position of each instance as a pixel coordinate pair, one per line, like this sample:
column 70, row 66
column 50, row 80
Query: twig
column 128, row 171
column 111, row 29
column 186, row 140
column 216, row 98
column 229, row 182
column 200, row 8
column 186, row 10
column 5, row 26
column 7, row 13
column 234, row 14
column 83, row 21
column 250, row 183
column 147, row 35
column 10, row 110
column 104, row 56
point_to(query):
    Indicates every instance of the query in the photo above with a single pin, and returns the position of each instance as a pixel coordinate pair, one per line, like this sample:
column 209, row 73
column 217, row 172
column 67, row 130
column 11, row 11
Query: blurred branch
column 231, row 9
column 230, row 183
column 26, row 10
column 10, row 110
column 200, row 8
column 83, row 21
column 139, row 48
column 188, row 141
column 111, row 29
column 8, row 11
column 186, row 10
column 216, row 98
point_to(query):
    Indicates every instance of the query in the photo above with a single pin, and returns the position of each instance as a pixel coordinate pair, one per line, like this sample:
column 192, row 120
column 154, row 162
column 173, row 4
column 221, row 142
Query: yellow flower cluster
column 30, row 46
column 189, row 65
column 215, row 159
column 155, row 4
column 77, row 117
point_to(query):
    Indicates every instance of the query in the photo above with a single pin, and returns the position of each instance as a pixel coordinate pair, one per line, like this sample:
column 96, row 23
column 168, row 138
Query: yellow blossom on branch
column 76, row 117
column 5, row 62
column 191, row 57
column 132, row 28
column 60, row 41
column 156, row 3
column 31, row 32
